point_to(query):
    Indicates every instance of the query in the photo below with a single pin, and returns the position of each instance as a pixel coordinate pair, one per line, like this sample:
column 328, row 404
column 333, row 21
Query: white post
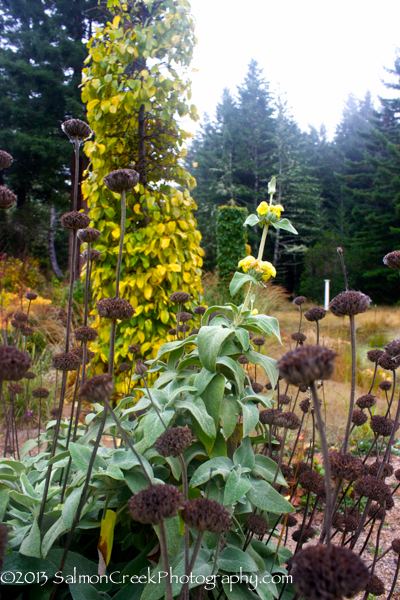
column 327, row 293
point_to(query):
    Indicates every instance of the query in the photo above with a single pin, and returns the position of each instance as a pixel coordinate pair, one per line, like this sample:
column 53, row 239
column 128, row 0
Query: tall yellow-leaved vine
column 135, row 86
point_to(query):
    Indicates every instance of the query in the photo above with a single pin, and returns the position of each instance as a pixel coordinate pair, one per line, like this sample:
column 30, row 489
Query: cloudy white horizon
column 314, row 53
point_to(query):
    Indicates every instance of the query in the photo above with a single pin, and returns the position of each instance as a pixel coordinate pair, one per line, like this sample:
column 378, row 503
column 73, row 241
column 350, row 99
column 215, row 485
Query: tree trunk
column 52, row 251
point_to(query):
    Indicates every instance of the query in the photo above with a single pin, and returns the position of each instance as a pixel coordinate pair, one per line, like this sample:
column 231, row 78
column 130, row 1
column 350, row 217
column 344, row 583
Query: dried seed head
column 134, row 349
column 94, row 255
column 381, row 425
column 366, row 401
column 374, row 355
column 115, row 308
column 66, row 361
column 20, row 316
column 287, row 472
column 385, row 385
column 375, row 586
column 7, row 198
column 359, row 418
column 121, row 179
column 373, row 488
column 305, row 405
column 41, row 392
column 14, row 364
column 89, row 235
column 287, row 420
column 267, row 417
column 312, row 481
column 299, row 300
column 297, row 336
column 180, row 297
column 55, row 412
column 172, row 331
column 259, row 341
column 123, row 367
column 27, row 331
column 303, row 388
column 155, row 503
column 349, row 304
column 199, row 310
column 388, row 363
column 257, row 524
column 376, row 511
column 97, row 389
column 194, row 331
column 140, row 368
column 75, row 128
column 373, row 469
column 184, row 317
column 30, row 375
column 346, row 466
column 17, row 324
column 243, row 360
column 5, row 160
column 16, row 388
column 3, row 542
column 291, row 521
column 328, row 573
column 183, row 328
column 85, row 334
column 173, row 441
column 308, row 533
column 206, row 515
column 396, row 546
column 315, row 314
column 257, row 387
column 393, row 348
column 397, row 474
column 74, row 220
column 392, row 259
column 31, row 296
column 78, row 351
column 284, row 399
column 306, row 364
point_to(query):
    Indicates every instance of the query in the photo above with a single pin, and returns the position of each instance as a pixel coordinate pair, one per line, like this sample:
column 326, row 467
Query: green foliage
column 231, row 241
column 135, row 90
column 17, row 275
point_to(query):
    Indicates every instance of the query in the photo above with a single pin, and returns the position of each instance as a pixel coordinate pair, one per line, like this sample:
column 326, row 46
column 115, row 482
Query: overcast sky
column 317, row 51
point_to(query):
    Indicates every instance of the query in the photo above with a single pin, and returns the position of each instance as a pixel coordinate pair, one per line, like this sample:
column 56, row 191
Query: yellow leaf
column 136, row 208
column 113, row 109
column 106, row 540
column 160, row 228
column 148, row 290
column 116, row 233
column 165, row 243
column 115, row 22
column 92, row 103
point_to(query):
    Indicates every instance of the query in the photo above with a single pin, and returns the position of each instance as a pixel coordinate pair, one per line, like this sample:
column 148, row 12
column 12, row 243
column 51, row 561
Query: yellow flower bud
column 247, row 263
column 254, row 311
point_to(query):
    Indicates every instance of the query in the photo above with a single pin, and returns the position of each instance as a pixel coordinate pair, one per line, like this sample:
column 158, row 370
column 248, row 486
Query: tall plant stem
column 392, row 396
column 327, row 467
column 185, row 497
column 317, row 333
column 297, row 439
column 6, row 417
column 378, row 535
column 394, row 579
column 353, row 383
column 121, row 242
column 71, row 289
column 164, row 556
column 87, row 280
column 53, row 448
column 111, row 352
column 373, row 378
column 391, row 440
column 76, row 182
column 280, row 458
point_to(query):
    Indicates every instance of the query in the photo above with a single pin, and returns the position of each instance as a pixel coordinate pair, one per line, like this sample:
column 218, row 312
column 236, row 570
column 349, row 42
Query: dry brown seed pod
column 115, row 308
column 180, row 297
column 349, row 304
column 20, row 316
column 257, row 387
column 257, row 524
column 97, row 389
column 89, row 235
column 392, row 259
column 373, row 469
column 184, row 317
column 121, row 180
column 172, row 331
column 375, row 586
column 16, row 388
column 123, row 367
column 291, row 521
column 315, row 314
column 173, row 441
column 204, row 514
column 307, row 364
column 381, row 425
column 259, row 341
column 74, row 220
column 199, row 310
column 310, row 480
column 27, row 331
column 308, row 534
column 84, row 333
column 305, row 405
column 243, row 360
column 388, row 363
column 75, row 128
column 7, row 198
column 30, row 375
column 140, row 368
column 155, row 503
column 41, row 392
column 267, row 416
column 359, row 418
column 284, row 399
column 346, row 466
column 5, row 160
column 31, row 296
column 94, row 255
column 299, row 300
column 287, row 420
column 194, row 331
column 396, row 546
column 66, row 361
column 298, row 336
column 184, row 327
column 385, row 385
column 366, row 401
column 14, row 364
column 373, row 488
column 78, row 350
column 134, row 348
column 374, row 355
column 328, row 573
